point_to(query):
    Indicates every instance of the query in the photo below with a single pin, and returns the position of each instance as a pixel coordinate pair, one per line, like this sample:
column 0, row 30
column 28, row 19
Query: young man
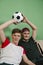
column 28, row 43
column 12, row 54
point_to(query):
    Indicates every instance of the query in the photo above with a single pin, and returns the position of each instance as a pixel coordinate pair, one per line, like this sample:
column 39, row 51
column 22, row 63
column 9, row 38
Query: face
column 16, row 37
column 26, row 35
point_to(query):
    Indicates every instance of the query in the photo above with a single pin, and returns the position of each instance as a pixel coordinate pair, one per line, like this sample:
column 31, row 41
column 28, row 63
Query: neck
column 26, row 40
column 16, row 43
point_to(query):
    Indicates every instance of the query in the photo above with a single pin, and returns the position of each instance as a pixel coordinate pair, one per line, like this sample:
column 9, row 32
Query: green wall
column 33, row 9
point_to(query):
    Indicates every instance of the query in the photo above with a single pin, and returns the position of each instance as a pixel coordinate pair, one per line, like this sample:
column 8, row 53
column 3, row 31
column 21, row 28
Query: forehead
column 26, row 31
column 16, row 33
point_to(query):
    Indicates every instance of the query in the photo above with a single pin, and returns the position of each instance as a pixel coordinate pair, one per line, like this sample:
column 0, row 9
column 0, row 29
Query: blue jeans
column 5, row 64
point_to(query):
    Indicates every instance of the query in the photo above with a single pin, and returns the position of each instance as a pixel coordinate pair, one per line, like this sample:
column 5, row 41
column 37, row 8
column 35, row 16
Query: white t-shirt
column 11, row 53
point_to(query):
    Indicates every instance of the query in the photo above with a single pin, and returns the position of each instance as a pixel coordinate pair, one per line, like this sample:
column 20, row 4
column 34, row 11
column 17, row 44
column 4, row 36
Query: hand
column 14, row 21
column 25, row 20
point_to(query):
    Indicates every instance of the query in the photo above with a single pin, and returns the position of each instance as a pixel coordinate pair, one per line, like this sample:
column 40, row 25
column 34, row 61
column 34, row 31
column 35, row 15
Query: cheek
column 28, row 35
column 13, row 37
column 19, row 38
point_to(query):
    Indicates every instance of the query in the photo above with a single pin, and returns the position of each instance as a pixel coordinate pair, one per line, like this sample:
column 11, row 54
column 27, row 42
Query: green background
column 32, row 9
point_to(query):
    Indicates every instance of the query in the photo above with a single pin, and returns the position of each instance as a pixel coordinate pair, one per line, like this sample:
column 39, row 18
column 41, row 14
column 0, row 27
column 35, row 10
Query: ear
column 12, row 36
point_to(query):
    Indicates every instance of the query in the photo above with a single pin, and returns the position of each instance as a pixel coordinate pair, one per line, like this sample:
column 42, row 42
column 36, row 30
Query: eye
column 18, row 35
column 26, row 33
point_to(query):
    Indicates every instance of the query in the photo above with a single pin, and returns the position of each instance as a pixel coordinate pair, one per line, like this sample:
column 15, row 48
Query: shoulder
column 31, row 38
column 5, row 43
column 24, row 51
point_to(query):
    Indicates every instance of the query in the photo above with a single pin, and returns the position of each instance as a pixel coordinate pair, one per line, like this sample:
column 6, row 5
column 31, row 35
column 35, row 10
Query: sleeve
column 24, row 51
column 4, row 44
column 31, row 39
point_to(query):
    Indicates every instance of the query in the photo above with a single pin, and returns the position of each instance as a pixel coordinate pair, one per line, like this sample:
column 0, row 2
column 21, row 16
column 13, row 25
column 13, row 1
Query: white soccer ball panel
column 19, row 16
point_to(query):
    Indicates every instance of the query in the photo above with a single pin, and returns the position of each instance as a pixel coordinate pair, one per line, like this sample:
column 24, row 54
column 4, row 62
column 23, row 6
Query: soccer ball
column 18, row 16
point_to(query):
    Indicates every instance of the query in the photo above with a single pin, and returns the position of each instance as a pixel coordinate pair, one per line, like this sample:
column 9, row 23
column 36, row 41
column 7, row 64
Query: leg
column 5, row 64
column 40, row 62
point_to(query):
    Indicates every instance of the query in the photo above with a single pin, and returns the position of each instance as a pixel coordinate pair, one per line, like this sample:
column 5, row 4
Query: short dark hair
column 25, row 29
column 16, row 30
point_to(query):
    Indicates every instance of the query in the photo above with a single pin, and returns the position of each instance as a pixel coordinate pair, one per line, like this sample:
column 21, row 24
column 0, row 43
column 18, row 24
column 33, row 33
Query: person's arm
column 3, row 26
column 34, row 28
column 2, row 36
column 27, row 61
column 0, row 42
column 0, row 45
column 6, row 24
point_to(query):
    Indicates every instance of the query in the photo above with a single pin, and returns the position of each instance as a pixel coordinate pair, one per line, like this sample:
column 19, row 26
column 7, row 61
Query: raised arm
column 3, row 26
column 2, row 35
column 0, row 45
column 27, row 61
column 6, row 24
column 34, row 28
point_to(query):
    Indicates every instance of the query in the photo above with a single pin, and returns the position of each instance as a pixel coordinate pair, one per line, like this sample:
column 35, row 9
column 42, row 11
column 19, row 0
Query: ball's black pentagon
column 18, row 17
column 22, row 14
column 16, row 12
column 12, row 17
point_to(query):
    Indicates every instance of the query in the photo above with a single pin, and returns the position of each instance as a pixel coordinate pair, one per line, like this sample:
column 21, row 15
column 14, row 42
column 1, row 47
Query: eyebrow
column 26, row 33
